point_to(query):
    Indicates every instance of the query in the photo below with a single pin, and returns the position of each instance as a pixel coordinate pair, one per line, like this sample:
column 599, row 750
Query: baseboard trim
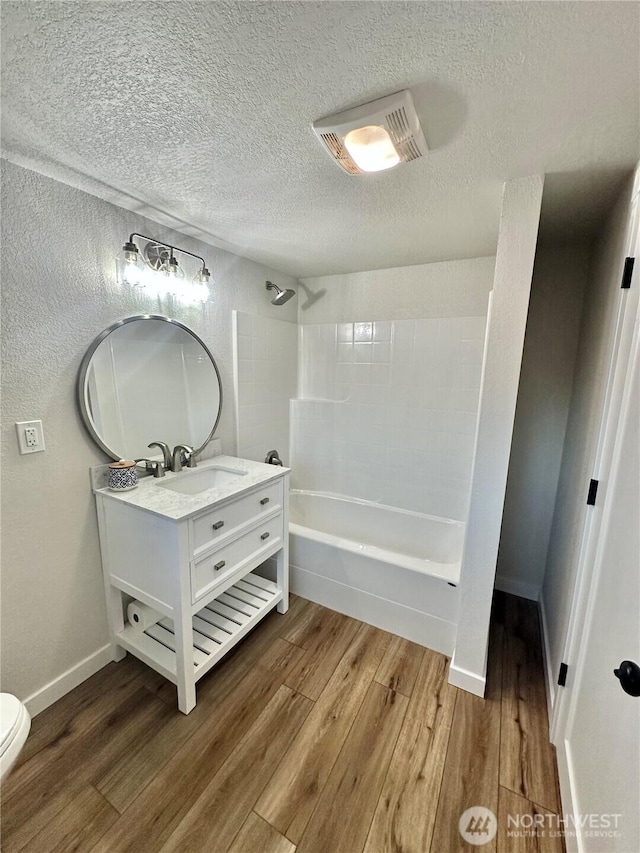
column 471, row 682
column 568, row 805
column 549, row 680
column 63, row 684
column 414, row 625
column 519, row 588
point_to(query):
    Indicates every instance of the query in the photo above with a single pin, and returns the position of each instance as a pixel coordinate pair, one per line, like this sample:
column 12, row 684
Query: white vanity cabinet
column 192, row 558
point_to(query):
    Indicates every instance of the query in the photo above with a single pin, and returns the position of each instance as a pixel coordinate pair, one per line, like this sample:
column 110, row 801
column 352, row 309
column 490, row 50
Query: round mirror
column 149, row 378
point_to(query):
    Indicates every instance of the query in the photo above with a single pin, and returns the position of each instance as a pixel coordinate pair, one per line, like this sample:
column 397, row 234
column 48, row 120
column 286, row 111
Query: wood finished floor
column 319, row 734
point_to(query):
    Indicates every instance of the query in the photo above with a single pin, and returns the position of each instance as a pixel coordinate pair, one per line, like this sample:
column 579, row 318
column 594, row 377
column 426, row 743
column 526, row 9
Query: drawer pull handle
column 218, row 525
column 264, row 501
column 265, row 536
column 219, row 565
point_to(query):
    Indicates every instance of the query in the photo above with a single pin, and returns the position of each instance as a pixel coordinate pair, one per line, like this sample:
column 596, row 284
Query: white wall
column 544, row 395
column 600, row 301
column 505, row 339
column 447, row 289
column 58, row 292
column 266, row 377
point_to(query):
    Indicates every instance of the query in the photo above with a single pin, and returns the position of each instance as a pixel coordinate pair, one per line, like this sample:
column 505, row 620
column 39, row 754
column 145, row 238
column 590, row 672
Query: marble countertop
column 149, row 494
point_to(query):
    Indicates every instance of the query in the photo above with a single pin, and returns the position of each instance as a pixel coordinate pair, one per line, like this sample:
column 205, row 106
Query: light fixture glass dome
column 371, row 148
column 172, row 269
column 199, row 289
column 130, row 266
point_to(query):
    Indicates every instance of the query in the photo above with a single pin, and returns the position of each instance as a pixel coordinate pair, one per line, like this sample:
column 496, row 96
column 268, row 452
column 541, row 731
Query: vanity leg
column 282, row 576
column 283, row 579
column 116, row 622
column 186, row 697
column 115, row 609
column 186, row 681
column 183, row 632
column 115, row 615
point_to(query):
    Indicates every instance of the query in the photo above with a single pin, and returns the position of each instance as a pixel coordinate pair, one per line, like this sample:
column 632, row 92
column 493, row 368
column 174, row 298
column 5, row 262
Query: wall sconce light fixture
column 156, row 268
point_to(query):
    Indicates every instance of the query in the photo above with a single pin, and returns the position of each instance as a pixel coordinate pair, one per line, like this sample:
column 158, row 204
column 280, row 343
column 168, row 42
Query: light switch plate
column 30, row 436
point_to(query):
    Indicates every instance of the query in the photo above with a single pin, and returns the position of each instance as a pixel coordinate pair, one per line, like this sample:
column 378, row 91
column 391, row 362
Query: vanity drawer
column 209, row 571
column 218, row 523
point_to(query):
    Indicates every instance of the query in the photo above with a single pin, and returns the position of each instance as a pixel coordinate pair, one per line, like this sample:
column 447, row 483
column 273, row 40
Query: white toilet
column 15, row 723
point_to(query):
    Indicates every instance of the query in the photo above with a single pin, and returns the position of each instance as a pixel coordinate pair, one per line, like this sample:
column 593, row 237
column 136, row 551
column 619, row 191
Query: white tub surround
column 388, row 411
column 191, row 557
column 382, row 438
column 392, row 568
column 421, row 542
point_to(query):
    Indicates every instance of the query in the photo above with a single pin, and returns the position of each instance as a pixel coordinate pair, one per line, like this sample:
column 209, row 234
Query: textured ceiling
column 199, row 116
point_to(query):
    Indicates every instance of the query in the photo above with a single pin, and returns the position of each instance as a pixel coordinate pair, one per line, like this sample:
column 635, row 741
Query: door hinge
column 627, row 272
column 562, row 675
column 593, row 491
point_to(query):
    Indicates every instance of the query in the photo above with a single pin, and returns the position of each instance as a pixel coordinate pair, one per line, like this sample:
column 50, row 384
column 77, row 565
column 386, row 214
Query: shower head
column 281, row 296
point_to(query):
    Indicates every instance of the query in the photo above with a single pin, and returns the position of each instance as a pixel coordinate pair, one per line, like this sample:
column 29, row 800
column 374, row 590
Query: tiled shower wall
column 387, row 411
column 265, row 371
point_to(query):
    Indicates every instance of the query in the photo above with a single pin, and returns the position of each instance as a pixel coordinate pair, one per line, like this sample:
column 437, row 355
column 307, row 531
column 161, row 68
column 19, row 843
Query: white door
column 599, row 755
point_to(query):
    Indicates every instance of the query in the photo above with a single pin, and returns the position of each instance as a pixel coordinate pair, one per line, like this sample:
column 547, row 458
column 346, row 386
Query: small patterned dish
column 123, row 475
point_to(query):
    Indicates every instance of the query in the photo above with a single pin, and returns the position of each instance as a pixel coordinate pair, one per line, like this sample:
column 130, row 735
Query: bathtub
column 393, row 568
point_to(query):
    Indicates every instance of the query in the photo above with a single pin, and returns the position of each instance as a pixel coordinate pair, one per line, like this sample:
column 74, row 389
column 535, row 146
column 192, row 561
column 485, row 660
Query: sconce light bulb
column 130, row 252
column 199, row 292
column 199, row 289
column 130, row 267
column 172, row 269
column 131, row 273
column 204, row 276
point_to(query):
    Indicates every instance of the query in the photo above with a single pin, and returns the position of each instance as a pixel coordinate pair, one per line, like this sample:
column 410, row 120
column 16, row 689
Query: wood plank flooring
column 318, row 734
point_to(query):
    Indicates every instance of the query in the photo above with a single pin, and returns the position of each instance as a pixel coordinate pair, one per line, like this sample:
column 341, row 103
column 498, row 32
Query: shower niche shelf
column 215, row 629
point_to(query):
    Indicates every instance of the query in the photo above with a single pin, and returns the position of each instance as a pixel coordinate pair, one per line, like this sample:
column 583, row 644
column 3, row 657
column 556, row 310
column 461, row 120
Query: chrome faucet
column 166, row 454
column 183, row 453
column 273, row 458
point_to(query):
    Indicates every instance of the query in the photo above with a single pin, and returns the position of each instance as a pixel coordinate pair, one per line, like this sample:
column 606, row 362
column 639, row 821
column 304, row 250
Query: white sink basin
column 194, row 482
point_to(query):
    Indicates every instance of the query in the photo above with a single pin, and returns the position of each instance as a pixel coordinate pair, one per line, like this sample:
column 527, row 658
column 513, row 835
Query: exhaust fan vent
column 339, row 153
column 401, row 136
column 390, row 123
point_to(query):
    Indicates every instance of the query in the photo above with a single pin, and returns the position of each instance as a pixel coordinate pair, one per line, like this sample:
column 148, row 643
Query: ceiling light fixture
column 156, row 269
column 374, row 136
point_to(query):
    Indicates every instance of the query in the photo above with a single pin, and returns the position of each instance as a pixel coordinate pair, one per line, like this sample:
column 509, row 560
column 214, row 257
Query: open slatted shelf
column 216, row 628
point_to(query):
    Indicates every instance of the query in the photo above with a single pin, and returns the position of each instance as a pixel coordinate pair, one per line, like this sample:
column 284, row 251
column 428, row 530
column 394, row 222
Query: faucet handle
column 153, row 465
